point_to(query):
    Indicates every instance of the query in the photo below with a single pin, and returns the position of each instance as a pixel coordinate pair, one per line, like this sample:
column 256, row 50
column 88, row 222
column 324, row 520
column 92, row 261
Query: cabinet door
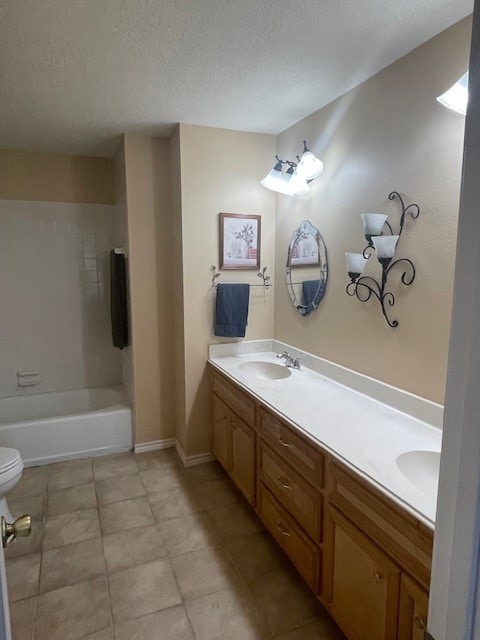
column 243, row 458
column 361, row 583
column 222, row 432
column 413, row 610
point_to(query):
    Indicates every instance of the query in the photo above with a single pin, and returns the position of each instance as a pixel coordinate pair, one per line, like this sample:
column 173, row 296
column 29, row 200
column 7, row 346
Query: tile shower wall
column 54, row 296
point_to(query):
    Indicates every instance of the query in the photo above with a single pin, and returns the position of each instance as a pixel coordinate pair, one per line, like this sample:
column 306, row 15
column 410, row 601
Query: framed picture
column 239, row 241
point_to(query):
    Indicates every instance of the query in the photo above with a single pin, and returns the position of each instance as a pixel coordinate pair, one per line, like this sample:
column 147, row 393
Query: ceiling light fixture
column 456, row 98
column 293, row 181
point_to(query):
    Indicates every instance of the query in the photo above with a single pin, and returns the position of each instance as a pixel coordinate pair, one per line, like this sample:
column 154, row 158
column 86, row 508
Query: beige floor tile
column 205, row 472
column 226, row 614
column 127, row 514
column 23, row 577
column 119, row 488
column 22, row 617
column 256, row 555
column 31, row 544
column 72, row 499
column 169, row 624
column 114, row 466
column 162, row 480
column 323, row 628
column 235, row 521
column 135, row 546
column 68, row 528
column 73, row 612
column 189, row 533
column 104, row 634
column 34, row 506
column 141, row 590
column 79, row 472
column 32, row 483
column 218, row 493
column 204, row 571
column 285, row 600
column 157, row 459
column 174, row 504
column 70, row 564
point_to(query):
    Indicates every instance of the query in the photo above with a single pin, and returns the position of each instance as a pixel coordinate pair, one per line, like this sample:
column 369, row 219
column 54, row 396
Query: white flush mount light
column 456, row 98
column 293, row 182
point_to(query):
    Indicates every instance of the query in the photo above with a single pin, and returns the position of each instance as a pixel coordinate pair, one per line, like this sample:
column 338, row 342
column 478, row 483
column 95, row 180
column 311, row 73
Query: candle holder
column 363, row 287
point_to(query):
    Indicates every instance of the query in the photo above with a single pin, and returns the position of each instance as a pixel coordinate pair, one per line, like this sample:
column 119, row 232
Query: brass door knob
column 21, row 528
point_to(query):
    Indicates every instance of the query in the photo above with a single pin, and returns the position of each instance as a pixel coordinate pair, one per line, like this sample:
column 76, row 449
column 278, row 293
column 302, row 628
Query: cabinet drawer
column 298, row 496
column 393, row 529
column 238, row 401
column 299, row 548
column 306, row 459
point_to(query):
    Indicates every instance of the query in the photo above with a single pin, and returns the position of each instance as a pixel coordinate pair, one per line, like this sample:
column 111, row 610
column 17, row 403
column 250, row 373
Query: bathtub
column 50, row 427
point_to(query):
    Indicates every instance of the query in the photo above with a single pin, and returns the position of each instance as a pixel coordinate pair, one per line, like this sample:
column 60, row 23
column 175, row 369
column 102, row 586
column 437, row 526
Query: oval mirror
column 307, row 268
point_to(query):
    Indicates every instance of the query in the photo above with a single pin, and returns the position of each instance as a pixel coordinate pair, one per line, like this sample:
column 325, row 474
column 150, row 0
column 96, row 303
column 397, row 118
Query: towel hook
column 215, row 275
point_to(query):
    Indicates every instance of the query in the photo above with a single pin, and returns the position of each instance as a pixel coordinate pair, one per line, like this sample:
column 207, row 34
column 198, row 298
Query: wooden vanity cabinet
column 413, row 610
column 234, row 441
column 361, row 583
column 365, row 557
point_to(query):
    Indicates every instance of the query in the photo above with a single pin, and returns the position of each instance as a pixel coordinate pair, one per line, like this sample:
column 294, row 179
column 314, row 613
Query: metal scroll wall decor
column 384, row 246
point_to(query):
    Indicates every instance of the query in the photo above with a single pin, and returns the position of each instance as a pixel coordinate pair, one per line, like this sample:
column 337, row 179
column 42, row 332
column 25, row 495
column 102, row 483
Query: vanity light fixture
column 294, row 181
column 363, row 287
column 456, row 98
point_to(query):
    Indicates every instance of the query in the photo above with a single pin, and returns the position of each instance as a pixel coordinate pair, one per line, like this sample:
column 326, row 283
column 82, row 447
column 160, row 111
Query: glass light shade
column 299, row 185
column 373, row 223
column 272, row 180
column 309, row 167
column 287, row 183
column 355, row 264
column 385, row 246
column 456, row 98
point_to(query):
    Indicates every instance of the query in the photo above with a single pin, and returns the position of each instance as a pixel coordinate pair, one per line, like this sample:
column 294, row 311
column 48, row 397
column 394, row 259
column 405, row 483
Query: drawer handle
column 284, row 483
column 420, row 623
column 377, row 576
column 284, row 442
column 283, row 530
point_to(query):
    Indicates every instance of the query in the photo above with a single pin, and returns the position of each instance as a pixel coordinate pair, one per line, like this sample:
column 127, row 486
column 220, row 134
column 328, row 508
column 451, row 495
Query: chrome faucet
column 290, row 361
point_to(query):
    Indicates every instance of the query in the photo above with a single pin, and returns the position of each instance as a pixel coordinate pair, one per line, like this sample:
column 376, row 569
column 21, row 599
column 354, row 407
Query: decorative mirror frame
column 305, row 229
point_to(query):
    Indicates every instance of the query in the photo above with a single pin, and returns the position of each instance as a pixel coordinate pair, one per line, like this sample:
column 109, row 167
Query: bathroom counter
column 364, row 423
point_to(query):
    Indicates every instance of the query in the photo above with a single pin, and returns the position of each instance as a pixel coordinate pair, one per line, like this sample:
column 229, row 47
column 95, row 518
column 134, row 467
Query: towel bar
column 261, row 274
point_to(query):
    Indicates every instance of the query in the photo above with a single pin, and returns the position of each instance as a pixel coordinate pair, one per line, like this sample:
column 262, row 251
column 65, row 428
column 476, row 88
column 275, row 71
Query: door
column 243, row 458
column 413, row 610
column 222, row 432
column 363, row 586
column 5, row 633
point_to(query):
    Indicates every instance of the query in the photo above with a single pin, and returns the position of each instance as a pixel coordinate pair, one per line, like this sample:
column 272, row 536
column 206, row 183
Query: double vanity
column 343, row 472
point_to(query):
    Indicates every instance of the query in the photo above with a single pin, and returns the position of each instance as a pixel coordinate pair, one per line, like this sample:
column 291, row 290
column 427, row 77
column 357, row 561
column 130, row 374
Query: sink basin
column 265, row 370
column 422, row 469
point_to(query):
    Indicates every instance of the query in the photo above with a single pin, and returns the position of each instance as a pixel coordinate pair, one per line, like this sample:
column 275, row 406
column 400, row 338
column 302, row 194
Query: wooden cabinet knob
column 377, row 576
column 283, row 530
column 284, row 442
column 284, row 483
column 420, row 623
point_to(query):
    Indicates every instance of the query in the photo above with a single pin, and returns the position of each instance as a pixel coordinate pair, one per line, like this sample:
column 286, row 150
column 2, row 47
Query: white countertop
column 364, row 433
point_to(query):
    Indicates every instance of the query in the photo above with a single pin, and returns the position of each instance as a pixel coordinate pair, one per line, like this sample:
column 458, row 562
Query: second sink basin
column 265, row 370
column 422, row 469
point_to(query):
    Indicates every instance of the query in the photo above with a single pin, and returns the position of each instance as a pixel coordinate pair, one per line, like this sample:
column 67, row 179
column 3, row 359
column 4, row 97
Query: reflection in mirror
column 307, row 268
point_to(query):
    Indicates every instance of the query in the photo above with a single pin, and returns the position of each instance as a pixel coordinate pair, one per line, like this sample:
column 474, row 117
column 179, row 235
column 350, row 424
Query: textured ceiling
column 74, row 74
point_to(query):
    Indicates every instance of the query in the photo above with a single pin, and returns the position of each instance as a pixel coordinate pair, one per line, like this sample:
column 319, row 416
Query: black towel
column 118, row 299
column 232, row 310
column 313, row 292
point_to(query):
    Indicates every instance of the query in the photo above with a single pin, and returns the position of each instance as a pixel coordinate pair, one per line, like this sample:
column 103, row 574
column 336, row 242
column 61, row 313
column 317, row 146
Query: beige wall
column 389, row 133
column 220, row 172
column 56, row 178
column 151, row 284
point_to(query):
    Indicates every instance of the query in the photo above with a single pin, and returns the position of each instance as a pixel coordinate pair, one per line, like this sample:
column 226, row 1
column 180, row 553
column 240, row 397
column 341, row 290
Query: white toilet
column 11, row 468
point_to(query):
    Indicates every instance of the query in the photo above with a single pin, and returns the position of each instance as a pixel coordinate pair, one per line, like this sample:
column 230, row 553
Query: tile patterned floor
column 134, row 547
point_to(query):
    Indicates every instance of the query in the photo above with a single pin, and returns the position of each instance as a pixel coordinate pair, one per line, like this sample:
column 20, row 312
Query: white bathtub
column 49, row 427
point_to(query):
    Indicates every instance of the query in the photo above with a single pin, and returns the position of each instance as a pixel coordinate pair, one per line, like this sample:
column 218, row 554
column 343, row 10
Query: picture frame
column 240, row 241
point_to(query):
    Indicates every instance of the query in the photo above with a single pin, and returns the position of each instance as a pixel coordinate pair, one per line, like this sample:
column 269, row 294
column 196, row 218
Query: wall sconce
column 456, row 98
column 384, row 246
column 294, row 181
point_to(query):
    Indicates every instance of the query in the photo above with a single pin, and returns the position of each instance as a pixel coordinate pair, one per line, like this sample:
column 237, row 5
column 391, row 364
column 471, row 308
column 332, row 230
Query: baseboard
column 154, row 445
column 76, row 455
column 191, row 461
column 187, row 461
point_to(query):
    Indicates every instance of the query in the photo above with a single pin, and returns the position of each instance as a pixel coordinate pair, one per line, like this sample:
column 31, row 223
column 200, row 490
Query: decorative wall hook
column 266, row 279
column 363, row 287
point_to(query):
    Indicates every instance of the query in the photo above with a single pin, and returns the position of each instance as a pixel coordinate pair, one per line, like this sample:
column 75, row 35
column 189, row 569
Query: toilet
column 11, row 468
